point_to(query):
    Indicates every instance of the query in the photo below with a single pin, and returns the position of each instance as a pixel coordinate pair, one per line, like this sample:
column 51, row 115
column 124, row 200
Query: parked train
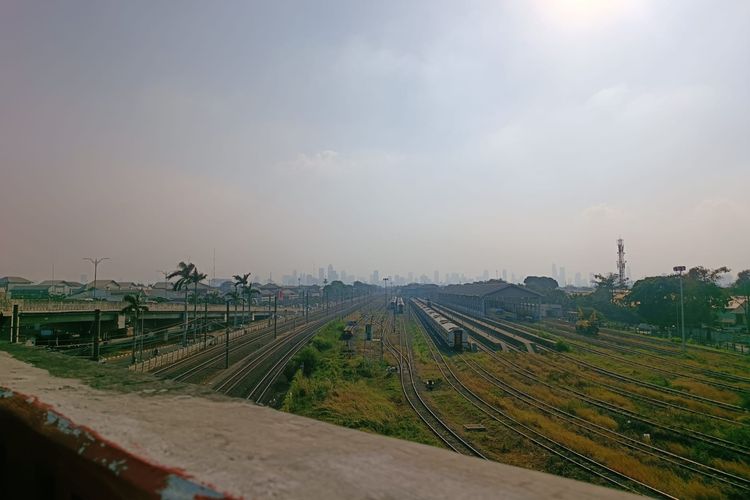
column 449, row 333
column 397, row 304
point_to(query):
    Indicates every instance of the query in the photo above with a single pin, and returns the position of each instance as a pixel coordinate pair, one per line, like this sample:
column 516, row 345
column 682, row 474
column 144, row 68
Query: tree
column 549, row 289
column 602, row 299
column 704, row 298
column 741, row 287
column 541, row 284
column 657, row 299
column 604, row 287
column 183, row 272
column 241, row 280
column 134, row 308
column 195, row 278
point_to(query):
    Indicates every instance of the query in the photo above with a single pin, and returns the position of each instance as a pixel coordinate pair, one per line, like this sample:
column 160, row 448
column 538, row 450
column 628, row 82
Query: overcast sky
column 399, row 136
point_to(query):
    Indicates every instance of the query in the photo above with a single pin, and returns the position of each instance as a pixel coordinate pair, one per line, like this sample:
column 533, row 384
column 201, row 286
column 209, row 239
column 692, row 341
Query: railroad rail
column 409, row 387
column 494, row 325
column 248, row 383
column 610, row 435
column 612, row 341
column 575, row 458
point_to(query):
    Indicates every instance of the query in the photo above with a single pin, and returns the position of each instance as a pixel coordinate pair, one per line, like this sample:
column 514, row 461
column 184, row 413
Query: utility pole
column 679, row 270
column 97, row 334
column 385, row 289
column 205, row 323
column 142, row 334
column 226, row 339
column 135, row 338
column 96, row 262
column 275, row 309
column 14, row 325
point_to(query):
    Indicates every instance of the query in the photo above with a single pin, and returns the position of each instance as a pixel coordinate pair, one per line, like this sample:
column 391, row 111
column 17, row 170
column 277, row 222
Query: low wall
column 45, row 455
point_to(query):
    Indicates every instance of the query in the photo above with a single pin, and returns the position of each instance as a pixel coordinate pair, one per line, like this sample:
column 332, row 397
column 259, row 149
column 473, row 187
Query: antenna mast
column 622, row 279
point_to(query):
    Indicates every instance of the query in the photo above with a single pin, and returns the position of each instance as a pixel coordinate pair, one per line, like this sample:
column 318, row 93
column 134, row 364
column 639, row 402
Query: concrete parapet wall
column 231, row 447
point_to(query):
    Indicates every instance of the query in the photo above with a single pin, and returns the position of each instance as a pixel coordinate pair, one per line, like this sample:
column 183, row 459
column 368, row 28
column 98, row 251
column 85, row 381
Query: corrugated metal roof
column 483, row 289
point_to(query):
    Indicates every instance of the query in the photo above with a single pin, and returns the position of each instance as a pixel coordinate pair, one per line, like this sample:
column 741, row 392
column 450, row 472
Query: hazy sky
column 399, row 136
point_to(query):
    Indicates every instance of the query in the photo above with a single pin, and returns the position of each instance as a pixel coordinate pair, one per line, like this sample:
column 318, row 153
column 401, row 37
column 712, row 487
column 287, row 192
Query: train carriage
column 450, row 334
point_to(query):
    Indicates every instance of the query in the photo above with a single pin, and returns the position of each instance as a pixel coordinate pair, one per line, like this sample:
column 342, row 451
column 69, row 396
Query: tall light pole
column 385, row 289
column 679, row 270
column 96, row 262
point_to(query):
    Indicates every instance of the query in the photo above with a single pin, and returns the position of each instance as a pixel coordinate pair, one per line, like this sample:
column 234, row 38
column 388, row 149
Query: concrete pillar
column 97, row 333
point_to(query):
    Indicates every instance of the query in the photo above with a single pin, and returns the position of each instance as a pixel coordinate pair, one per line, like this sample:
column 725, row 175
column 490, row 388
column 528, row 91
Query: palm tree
column 134, row 308
column 184, row 272
column 195, row 278
column 240, row 280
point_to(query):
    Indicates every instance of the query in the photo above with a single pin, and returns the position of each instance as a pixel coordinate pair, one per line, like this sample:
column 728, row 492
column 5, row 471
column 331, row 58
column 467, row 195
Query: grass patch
column 348, row 390
column 97, row 375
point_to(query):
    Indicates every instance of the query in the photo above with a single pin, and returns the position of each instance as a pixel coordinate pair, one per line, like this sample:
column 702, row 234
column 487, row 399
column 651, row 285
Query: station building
column 493, row 298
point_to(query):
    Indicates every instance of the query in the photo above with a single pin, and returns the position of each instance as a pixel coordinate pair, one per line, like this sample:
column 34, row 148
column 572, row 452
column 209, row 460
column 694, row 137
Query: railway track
column 656, row 344
column 579, row 341
column 409, row 387
column 596, row 469
column 259, row 371
column 609, row 435
column 660, row 403
column 500, row 326
column 196, row 368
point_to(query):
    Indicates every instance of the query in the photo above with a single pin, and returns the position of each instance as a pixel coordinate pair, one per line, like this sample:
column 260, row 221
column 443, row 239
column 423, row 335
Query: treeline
column 656, row 299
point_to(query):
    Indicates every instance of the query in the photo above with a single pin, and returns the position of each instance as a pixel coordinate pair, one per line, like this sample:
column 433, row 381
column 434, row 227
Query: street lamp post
column 385, row 289
column 679, row 270
column 96, row 262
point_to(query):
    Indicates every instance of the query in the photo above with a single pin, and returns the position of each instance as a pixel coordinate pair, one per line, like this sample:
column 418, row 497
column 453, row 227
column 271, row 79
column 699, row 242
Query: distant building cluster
column 16, row 287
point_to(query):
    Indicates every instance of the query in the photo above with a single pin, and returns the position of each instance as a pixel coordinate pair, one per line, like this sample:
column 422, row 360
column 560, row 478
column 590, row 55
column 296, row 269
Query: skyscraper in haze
column 321, row 274
column 563, row 280
column 375, row 277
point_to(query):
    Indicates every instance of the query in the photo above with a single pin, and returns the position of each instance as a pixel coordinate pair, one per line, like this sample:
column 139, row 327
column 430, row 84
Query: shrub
column 561, row 346
column 308, row 358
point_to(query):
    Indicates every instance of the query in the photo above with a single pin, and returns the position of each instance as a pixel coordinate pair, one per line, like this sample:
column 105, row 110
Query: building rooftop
column 484, row 289
column 14, row 280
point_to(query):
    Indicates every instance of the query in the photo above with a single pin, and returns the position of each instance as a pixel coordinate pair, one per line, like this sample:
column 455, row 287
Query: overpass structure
column 30, row 318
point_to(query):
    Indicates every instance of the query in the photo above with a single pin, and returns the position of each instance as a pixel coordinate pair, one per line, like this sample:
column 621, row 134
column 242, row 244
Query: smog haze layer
column 398, row 136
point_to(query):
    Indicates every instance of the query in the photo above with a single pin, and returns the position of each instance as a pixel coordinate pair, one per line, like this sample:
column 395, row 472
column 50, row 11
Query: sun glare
column 581, row 14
